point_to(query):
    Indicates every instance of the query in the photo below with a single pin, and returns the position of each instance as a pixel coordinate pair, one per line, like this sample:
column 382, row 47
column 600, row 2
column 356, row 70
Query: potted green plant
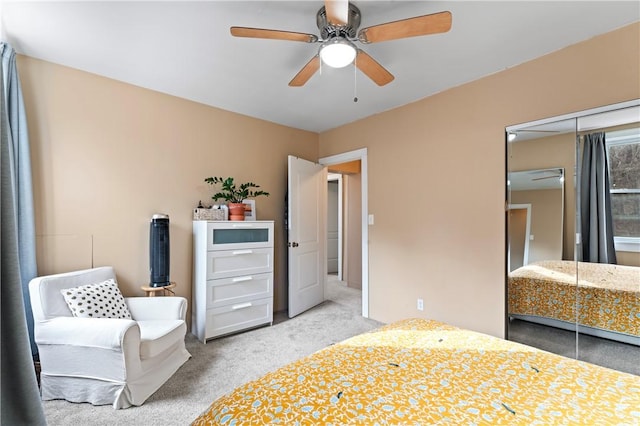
column 234, row 194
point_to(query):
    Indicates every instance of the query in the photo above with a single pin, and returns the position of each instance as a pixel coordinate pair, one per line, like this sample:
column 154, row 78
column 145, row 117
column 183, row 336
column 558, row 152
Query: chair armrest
column 157, row 308
column 103, row 333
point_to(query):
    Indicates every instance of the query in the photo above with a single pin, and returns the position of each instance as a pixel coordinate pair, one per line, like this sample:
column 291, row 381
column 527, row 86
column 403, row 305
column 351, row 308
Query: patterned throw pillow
column 102, row 300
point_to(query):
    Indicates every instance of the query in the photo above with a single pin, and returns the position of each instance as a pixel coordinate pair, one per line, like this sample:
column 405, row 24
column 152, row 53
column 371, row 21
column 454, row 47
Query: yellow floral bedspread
column 425, row 372
column 608, row 295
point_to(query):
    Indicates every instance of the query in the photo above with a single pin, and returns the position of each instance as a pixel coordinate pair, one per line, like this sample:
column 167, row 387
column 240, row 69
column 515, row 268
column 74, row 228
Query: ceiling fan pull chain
column 355, row 79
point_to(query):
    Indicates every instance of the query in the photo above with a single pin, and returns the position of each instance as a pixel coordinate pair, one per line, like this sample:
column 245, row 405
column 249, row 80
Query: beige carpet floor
column 223, row 364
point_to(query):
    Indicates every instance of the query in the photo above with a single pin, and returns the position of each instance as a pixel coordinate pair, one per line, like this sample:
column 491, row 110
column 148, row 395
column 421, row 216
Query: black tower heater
column 159, row 250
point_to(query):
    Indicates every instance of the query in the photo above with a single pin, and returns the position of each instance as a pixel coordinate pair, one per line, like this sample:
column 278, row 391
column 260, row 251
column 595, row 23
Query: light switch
column 531, row 237
column 370, row 219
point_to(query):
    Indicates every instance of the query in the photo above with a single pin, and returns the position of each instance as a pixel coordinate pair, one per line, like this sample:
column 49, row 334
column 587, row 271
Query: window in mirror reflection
column 623, row 152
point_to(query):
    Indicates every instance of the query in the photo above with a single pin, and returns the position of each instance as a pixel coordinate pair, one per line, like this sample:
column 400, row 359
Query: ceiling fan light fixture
column 337, row 52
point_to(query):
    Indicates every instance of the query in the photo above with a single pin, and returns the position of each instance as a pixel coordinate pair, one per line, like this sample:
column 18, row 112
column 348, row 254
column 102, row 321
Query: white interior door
column 307, row 234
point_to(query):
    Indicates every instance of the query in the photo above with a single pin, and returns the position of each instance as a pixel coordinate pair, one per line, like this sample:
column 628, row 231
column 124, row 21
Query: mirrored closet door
column 573, row 235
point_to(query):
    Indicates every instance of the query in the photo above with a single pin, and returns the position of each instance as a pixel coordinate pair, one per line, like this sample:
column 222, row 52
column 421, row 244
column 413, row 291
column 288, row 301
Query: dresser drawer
column 240, row 289
column 243, row 234
column 239, row 316
column 232, row 263
column 232, row 287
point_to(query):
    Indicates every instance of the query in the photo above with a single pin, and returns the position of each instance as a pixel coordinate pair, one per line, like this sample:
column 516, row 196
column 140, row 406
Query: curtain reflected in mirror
column 594, row 208
column 608, row 147
column 573, row 258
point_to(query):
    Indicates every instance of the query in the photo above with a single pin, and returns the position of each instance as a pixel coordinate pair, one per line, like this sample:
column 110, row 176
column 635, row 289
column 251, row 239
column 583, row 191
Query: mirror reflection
column 536, row 209
column 573, row 277
column 608, row 213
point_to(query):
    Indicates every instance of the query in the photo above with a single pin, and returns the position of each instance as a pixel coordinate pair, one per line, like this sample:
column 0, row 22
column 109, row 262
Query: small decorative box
column 208, row 214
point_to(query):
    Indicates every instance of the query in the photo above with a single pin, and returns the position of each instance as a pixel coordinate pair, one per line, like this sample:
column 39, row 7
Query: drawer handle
column 242, row 252
column 241, row 306
column 239, row 279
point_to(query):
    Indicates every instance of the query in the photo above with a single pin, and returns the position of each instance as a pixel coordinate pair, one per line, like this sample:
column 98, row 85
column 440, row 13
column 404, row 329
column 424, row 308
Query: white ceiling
column 185, row 49
column 536, row 179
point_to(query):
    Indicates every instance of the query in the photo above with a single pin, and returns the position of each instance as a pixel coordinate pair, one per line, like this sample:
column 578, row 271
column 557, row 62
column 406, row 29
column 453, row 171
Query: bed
column 608, row 297
column 420, row 371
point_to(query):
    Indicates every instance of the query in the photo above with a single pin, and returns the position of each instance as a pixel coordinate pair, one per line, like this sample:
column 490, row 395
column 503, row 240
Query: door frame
column 527, row 234
column 358, row 154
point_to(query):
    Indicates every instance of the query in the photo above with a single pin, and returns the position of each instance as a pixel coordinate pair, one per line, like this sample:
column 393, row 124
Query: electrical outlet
column 420, row 305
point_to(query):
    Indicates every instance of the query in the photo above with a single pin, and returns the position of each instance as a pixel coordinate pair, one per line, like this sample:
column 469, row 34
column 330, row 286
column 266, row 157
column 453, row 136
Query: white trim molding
column 630, row 244
column 359, row 154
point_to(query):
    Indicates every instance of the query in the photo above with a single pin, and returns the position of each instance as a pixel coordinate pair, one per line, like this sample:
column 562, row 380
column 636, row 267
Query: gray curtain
column 596, row 223
column 21, row 175
column 21, row 403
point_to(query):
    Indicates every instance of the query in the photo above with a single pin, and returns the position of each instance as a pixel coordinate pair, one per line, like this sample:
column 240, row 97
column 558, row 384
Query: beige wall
column 107, row 155
column 353, row 230
column 444, row 156
column 628, row 258
column 546, row 222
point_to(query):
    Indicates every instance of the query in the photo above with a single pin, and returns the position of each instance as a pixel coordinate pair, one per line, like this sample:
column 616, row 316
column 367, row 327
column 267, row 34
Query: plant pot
column 236, row 211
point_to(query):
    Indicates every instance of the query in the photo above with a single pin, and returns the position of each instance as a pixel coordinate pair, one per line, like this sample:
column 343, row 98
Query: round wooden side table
column 162, row 291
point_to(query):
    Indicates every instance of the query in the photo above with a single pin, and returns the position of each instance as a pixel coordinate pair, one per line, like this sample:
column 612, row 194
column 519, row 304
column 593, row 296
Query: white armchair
column 101, row 360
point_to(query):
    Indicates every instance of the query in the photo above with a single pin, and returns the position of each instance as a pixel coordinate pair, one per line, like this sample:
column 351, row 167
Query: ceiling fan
column 547, row 177
column 555, row 174
column 338, row 22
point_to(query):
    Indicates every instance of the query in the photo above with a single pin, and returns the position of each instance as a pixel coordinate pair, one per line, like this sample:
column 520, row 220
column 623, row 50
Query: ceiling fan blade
column 337, row 11
column 547, row 177
column 306, row 72
column 272, row 34
column 410, row 27
column 373, row 69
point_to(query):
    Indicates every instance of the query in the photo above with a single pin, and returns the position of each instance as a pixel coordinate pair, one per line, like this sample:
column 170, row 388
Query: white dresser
column 232, row 276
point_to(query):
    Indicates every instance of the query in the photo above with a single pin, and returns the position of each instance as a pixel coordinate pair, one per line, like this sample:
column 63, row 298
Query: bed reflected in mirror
column 560, row 297
column 608, row 221
column 541, row 223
